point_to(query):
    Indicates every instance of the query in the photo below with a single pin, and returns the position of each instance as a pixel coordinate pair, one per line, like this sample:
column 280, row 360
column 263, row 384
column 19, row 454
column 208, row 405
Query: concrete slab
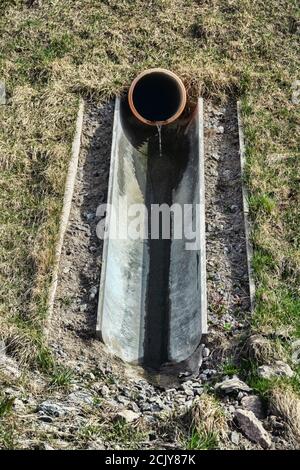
column 152, row 299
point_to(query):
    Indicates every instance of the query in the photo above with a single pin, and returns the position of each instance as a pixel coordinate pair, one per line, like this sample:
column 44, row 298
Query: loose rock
column 45, row 418
column 93, row 293
column 296, row 352
column 253, row 428
column 51, row 409
column 235, row 438
column 128, row 416
column 105, row 391
column 81, row 397
column 205, row 352
column 254, row 404
column 278, row 369
column 2, row 348
column 96, row 445
column 232, row 385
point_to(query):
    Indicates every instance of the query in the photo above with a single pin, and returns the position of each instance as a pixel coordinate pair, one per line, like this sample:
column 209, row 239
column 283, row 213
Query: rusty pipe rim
column 180, row 88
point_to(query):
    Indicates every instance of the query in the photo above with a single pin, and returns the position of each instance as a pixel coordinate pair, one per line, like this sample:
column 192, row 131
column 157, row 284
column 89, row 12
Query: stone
column 19, row 405
column 203, row 377
column 93, row 293
column 9, row 367
column 220, row 130
column 2, row 92
column 96, row 445
column 186, row 373
column 253, row 428
column 156, row 407
column 187, row 388
column 241, row 395
column 189, row 392
column 128, row 416
column 126, row 392
column 253, row 403
column 216, row 277
column 235, row 437
column 89, row 216
column 195, row 384
column 295, row 352
column 227, row 174
column 123, row 400
column 232, row 385
column 205, row 352
column 81, row 397
column 2, row 348
column 51, row 409
column 134, row 407
column 45, row 418
column 47, row 446
column 295, row 344
column 278, row 369
column 105, row 391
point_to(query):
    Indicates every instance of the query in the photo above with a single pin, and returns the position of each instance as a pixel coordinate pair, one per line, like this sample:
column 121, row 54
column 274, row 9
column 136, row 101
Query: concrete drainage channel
column 152, row 304
column 152, row 296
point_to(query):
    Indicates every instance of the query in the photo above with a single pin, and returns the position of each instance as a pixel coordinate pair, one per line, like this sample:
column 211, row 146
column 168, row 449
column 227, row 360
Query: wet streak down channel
column 166, row 164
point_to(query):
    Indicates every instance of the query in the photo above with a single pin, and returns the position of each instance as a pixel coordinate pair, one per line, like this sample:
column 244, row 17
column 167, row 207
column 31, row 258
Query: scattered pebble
column 235, row 438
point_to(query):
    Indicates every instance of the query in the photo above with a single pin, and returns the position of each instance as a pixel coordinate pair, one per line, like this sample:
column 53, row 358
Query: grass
column 205, row 424
column 116, row 433
column 54, row 52
column 230, row 368
column 7, row 436
column 7, row 429
column 6, row 405
column 201, row 440
column 124, row 435
column 61, row 377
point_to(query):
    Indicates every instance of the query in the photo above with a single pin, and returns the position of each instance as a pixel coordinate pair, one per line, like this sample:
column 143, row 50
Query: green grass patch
column 61, row 377
column 202, row 440
column 230, row 368
column 6, row 405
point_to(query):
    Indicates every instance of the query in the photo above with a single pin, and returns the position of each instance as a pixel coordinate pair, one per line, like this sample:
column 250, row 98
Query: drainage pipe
column 157, row 97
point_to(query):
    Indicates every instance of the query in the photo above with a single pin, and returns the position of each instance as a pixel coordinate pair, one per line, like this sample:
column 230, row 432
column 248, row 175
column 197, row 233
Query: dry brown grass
column 262, row 350
column 207, row 415
column 202, row 427
column 285, row 403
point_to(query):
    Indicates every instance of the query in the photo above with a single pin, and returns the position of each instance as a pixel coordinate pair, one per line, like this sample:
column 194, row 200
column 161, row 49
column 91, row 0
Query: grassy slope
column 53, row 51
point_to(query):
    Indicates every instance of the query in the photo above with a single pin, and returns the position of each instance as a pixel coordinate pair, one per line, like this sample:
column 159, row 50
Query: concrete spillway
column 152, row 300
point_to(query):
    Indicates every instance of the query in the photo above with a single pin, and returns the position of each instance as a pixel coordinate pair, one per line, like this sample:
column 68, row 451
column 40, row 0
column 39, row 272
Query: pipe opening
column 157, row 97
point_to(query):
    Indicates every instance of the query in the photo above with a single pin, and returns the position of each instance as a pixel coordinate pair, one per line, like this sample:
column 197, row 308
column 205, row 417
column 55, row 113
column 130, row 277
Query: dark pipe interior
column 156, row 96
